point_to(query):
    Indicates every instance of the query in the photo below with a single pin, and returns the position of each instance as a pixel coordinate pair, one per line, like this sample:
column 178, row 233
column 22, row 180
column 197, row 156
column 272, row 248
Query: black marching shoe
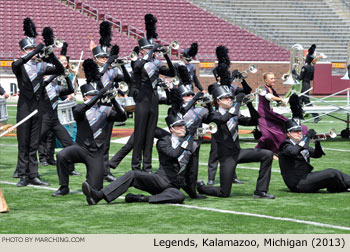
column 237, row 181
column 210, row 182
column 24, row 181
column 52, row 162
column 15, row 174
column 262, row 195
column 129, row 198
column 90, row 194
column 316, row 120
column 63, row 190
column 44, row 163
column 109, row 178
column 200, row 184
column 38, row 181
column 74, row 173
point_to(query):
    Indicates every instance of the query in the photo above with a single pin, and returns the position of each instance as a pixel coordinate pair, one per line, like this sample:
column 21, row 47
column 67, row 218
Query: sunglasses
column 187, row 95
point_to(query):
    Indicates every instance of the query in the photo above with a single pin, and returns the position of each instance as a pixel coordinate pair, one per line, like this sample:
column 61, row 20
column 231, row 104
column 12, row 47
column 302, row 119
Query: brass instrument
column 174, row 45
column 252, row 69
column 324, row 136
column 296, row 63
column 211, row 128
column 124, row 60
column 73, row 67
column 44, row 53
column 205, row 99
column 175, row 80
column 346, row 76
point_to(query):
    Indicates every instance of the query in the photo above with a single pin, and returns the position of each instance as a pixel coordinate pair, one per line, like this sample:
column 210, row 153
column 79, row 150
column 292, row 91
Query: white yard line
column 218, row 210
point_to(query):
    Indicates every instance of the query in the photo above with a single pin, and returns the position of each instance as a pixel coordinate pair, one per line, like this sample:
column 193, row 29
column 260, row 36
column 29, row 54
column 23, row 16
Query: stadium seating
column 323, row 22
column 69, row 25
column 186, row 23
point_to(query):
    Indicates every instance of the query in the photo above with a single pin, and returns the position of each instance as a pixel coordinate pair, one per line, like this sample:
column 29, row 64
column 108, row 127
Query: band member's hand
column 236, row 74
column 311, row 133
column 198, row 96
column 294, row 72
column 111, row 59
column 38, row 48
column 6, row 95
column 239, row 97
column 70, row 97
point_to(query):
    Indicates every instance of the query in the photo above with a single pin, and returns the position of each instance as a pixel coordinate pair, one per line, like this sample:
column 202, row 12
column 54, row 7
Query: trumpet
column 174, row 45
column 113, row 92
column 205, row 99
column 244, row 74
column 175, row 80
column 73, row 67
column 211, row 128
column 44, row 53
column 324, row 136
column 124, row 60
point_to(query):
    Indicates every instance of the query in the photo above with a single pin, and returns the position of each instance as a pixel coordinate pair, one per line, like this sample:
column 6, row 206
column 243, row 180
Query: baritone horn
column 296, row 63
column 347, row 75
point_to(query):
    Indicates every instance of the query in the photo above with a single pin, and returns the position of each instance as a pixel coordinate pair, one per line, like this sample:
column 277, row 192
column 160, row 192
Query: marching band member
column 186, row 58
column 146, row 72
column 109, row 75
column 163, row 185
column 57, row 87
column 306, row 76
column 29, row 74
column 229, row 151
column 294, row 160
column 91, row 118
column 271, row 124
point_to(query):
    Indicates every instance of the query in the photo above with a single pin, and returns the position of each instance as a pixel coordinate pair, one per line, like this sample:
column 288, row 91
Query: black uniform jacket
column 294, row 161
column 168, row 163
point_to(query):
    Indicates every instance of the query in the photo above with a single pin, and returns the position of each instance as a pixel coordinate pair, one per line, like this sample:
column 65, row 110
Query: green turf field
column 33, row 210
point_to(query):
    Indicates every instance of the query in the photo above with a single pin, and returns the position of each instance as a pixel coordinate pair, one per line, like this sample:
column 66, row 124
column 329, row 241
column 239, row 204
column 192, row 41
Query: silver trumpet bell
column 252, row 69
column 211, row 128
column 175, row 80
column 330, row 134
column 73, row 67
column 58, row 43
column 123, row 86
column 174, row 45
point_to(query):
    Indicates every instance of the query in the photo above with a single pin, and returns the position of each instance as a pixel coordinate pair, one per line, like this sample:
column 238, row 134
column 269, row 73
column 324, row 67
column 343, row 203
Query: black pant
column 146, row 117
column 28, row 134
column 46, row 148
column 305, row 99
column 192, row 174
column 158, row 186
column 214, row 161
column 51, row 123
column 77, row 154
column 331, row 179
column 121, row 154
column 228, row 166
column 109, row 129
